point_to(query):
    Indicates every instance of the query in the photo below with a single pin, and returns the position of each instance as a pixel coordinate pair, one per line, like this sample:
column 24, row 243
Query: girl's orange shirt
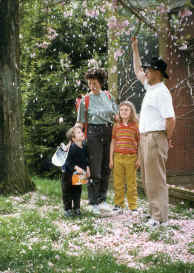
column 126, row 138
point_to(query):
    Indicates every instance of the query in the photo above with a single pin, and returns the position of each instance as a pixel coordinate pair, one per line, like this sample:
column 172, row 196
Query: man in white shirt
column 156, row 125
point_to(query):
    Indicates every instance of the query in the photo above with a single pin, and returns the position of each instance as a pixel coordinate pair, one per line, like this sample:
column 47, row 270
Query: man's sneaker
column 94, row 209
column 105, row 206
column 68, row 213
column 153, row 223
column 164, row 224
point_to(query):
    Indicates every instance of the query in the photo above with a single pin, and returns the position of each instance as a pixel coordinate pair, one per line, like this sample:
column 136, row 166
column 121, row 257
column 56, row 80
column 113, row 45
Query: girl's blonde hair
column 133, row 115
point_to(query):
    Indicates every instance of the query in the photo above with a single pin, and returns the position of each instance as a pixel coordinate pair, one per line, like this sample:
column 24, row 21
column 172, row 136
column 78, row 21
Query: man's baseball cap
column 157, row 64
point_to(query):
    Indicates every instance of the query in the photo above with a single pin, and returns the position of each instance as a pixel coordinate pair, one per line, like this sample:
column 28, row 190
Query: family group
column 117, row 140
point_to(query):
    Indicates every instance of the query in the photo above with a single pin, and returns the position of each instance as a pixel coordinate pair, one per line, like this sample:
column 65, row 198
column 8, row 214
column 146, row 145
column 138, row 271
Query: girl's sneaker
column 105, row 206
column 118, row 209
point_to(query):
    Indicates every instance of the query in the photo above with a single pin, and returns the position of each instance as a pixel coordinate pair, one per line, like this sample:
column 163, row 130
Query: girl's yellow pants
column 124, row 174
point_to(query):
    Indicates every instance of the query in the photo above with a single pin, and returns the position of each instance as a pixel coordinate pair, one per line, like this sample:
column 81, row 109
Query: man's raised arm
column 137, row 61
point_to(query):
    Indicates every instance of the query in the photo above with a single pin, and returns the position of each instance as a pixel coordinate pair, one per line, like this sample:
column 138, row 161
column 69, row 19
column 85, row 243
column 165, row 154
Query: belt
column 152, row 132
column 100, row 125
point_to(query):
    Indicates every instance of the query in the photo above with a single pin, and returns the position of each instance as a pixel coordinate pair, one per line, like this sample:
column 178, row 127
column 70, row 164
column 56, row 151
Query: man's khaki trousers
column 153, row 157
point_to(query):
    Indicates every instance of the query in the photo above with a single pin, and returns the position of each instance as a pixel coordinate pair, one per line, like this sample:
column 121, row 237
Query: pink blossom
column 68, row 13
column 52, row 33
column 128, row 32
column 112, row 22
column 185, row 12
column 114, row 4
column 92, row 63
column 78, row 82
column 32, row 55
column 102, row 9
column 114, row 69
column 51, row 30
column 183, row 47
column 85, row 23
column 50, row 264
column 43, row 45
column 124, row 23
column 163, row 8
column 92, row 13
column 119, row 52
column 84, row 4
column 57, row 257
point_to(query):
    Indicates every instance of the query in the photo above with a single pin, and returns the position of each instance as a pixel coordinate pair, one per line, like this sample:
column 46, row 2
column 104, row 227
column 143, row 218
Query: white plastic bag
column 60, row 156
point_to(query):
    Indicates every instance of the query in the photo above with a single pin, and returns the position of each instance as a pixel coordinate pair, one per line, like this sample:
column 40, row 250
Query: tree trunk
column 13, row 175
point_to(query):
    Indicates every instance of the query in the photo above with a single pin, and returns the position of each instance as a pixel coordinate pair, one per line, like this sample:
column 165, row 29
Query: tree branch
column 135, row 12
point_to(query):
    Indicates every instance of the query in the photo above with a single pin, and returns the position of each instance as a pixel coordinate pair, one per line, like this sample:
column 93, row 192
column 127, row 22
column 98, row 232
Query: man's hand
column 134, row 43
column 170, row 144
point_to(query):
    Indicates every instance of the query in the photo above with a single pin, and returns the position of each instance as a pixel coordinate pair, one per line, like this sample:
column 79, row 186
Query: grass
column 6, row 206
column 36, row 238
column 183, row 208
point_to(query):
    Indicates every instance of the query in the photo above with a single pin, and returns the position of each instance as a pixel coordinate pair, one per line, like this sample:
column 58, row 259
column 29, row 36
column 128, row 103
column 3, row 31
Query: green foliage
column 158, row 258
column 163, row 235
column 184, row 208
column 56, row 44
column 191, row 247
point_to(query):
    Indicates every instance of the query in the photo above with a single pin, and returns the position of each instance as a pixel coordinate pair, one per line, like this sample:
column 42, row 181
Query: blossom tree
column 59, row 42
column 172, row 23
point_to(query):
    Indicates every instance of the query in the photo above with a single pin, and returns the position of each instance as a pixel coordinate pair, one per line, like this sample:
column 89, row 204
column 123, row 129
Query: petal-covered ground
column 126, row 236
column 129, row 239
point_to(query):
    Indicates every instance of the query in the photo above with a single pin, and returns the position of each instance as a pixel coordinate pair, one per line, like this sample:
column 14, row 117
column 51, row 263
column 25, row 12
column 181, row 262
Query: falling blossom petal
column 118, row 53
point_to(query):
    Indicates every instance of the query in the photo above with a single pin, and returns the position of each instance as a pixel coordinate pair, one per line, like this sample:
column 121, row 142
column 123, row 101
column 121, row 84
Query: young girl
column 77, row 160
column 124, row 148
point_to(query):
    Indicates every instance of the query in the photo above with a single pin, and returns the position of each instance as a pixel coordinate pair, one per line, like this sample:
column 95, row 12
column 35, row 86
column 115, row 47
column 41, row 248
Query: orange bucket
column 79, row 179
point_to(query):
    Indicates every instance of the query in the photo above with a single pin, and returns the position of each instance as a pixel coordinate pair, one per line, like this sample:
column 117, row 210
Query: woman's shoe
column 77, row 212
column 68, row 213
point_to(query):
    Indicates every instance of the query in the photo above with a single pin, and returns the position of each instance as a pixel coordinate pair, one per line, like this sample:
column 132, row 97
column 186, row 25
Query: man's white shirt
column 156, row 108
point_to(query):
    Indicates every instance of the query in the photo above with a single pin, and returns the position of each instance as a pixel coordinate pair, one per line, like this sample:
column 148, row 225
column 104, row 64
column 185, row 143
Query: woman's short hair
column 97, row 73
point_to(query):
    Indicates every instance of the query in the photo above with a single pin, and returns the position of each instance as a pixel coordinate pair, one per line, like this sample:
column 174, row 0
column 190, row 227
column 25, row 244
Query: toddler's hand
column 88, row 172
column 79, row 170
